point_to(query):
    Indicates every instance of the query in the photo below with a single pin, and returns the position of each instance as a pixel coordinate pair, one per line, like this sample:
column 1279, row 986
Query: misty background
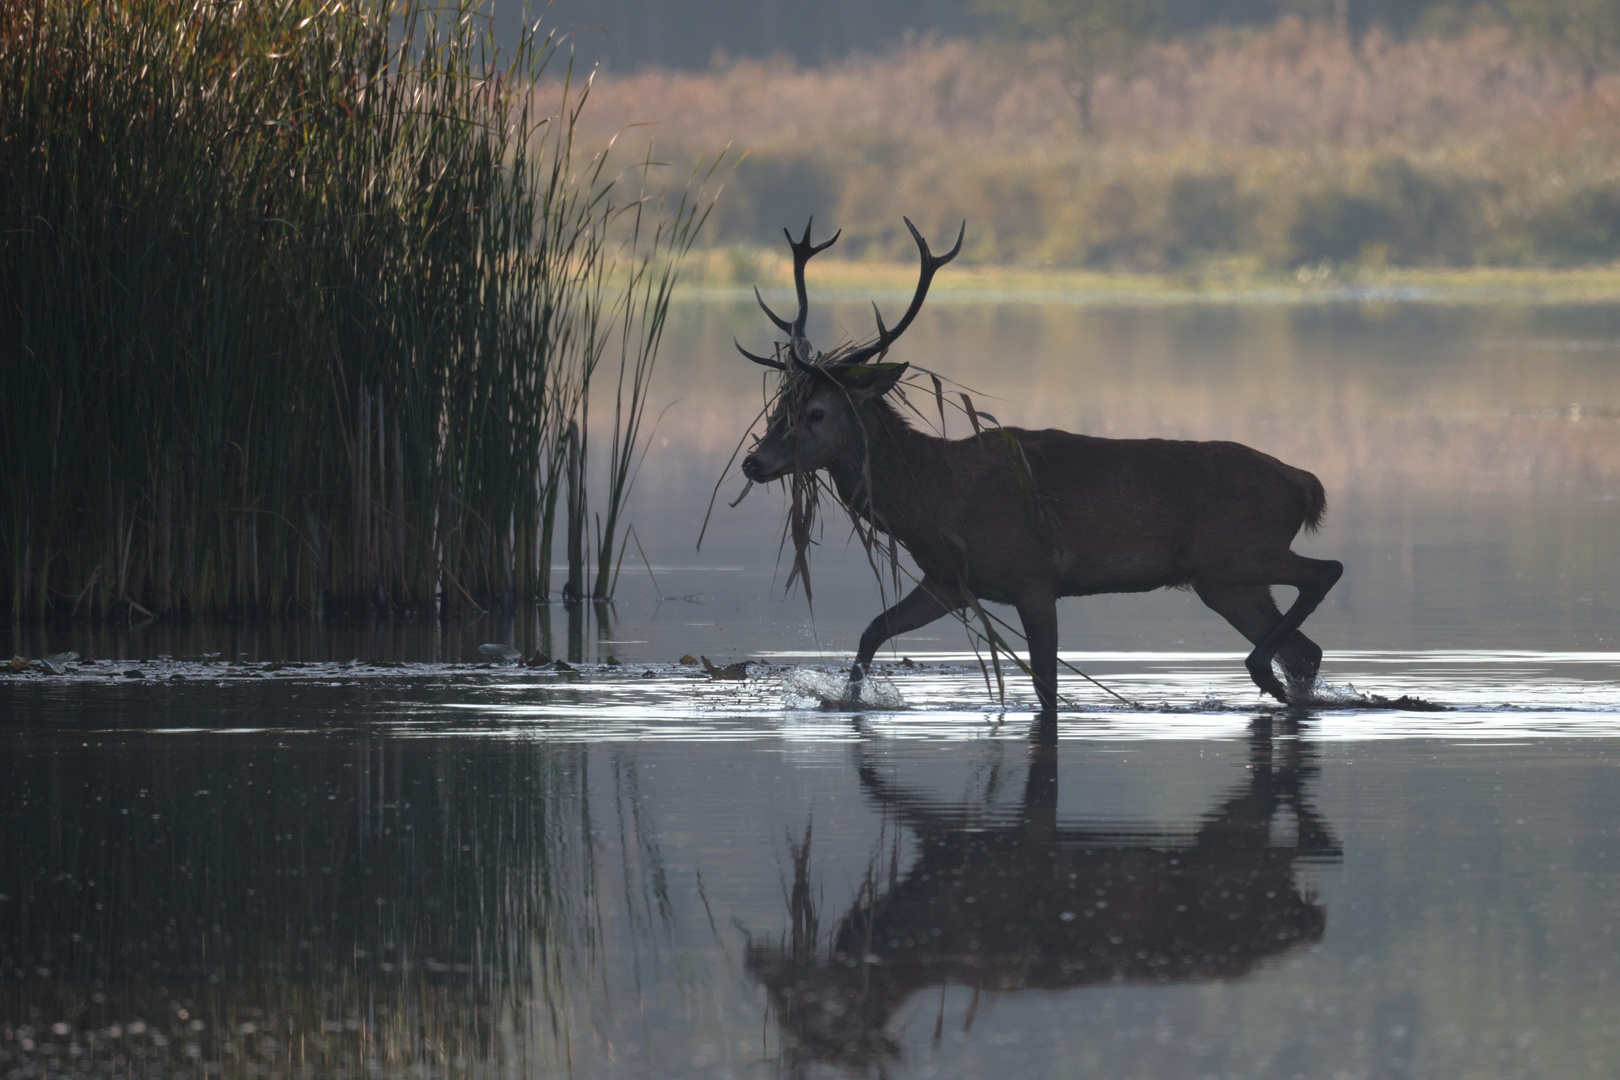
column 1225, row 140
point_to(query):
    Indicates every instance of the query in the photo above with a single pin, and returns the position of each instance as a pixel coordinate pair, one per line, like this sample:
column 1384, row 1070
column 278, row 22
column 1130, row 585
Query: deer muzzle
column 762, row 467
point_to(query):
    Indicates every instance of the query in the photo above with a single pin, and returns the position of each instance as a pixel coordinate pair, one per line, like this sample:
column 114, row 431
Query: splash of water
column 811, row 688
column 1322, row 692
column 1326, row 695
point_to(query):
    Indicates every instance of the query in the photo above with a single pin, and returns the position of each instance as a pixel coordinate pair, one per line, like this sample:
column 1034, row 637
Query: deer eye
column 815, row 416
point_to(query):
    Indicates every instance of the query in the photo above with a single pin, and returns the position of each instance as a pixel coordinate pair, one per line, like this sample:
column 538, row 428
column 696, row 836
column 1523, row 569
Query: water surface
column 285, row 863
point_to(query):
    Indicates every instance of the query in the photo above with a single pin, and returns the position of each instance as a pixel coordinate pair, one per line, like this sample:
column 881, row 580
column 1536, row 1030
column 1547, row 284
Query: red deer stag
column 1023, row 517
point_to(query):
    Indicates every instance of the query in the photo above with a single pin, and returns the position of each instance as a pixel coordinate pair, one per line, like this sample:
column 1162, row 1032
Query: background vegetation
column 303, row 302
column 1477, row 135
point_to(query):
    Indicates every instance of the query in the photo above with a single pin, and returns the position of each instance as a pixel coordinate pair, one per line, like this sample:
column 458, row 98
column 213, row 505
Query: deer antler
column 930, row 266
column 766, row 361
column 799, row 345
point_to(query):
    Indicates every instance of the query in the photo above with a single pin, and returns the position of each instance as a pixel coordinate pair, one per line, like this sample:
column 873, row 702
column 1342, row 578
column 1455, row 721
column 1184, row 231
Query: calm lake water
column 284, row 862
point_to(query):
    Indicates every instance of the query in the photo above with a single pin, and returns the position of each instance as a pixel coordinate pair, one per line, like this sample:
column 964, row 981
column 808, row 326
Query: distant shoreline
column 712, row 276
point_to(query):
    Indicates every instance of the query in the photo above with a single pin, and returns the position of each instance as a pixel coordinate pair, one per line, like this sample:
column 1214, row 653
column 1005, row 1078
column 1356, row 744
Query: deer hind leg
column 1252, row 612
column 919, row 607
column 1313, row 578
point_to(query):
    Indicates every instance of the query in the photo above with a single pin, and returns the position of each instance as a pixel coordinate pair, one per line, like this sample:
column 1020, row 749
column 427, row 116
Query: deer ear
column 871, row 380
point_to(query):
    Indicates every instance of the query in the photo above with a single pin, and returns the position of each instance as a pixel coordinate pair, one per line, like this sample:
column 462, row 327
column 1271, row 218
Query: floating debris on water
column 737, row 671
column 57, row 663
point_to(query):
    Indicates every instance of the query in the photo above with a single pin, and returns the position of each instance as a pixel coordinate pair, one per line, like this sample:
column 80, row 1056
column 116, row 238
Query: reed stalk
column 301, row 300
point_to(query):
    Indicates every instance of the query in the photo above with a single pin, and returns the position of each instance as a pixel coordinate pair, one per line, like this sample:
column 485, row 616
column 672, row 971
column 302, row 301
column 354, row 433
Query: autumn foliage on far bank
column 1290, row 146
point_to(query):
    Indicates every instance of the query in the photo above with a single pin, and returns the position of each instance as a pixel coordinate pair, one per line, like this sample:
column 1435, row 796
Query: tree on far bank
column 1098, row 37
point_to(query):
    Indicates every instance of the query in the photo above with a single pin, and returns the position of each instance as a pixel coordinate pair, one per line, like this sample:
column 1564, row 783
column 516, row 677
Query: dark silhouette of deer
column 1005, row 902
column 1025, row 517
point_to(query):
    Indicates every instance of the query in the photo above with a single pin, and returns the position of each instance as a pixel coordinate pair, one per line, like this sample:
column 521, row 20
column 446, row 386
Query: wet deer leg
column 1039, row 615
column 1252, row 612
column 1313, row 578
column 919, row 607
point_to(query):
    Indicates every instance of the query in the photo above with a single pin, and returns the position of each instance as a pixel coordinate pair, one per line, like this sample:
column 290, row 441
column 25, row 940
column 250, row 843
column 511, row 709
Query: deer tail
column 1315, row 500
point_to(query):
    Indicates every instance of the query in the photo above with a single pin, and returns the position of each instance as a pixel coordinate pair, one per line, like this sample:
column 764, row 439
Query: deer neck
column 887, row 481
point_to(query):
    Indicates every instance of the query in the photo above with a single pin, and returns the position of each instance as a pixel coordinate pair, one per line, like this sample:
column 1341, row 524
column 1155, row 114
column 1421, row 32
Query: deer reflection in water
column 1018, row 901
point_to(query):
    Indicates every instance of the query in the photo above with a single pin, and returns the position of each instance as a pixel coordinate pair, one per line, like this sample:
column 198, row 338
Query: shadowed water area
column 372, row 850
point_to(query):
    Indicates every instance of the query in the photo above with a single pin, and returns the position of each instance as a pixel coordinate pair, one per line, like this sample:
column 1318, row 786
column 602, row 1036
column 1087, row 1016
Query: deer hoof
column 1266, row 679
column 1301, row 659
column 852, row 689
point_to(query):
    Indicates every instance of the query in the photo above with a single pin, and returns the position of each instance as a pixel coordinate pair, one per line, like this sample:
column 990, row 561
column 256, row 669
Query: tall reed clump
column 302, row 300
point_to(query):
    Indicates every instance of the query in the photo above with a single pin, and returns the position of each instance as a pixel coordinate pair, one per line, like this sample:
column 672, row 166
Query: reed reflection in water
column 323, row 907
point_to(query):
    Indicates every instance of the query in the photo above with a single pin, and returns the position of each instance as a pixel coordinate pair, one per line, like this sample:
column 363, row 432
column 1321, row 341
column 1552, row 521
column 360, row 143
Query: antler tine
column 798, row 347
column 930, row 266
column 781, row 323
column 803, row 251
column 883, row 331
column 767, row 361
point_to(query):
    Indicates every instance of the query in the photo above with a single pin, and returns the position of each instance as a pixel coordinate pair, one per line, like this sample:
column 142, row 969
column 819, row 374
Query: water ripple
column 1176, row 695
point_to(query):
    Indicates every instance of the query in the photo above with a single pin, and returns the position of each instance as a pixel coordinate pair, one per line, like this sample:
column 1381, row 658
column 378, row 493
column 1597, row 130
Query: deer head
column 816, row 417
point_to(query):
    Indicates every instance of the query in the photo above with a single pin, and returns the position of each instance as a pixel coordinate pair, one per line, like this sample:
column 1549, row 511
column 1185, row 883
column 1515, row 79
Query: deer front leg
column 1039, row 615
column 919, row 607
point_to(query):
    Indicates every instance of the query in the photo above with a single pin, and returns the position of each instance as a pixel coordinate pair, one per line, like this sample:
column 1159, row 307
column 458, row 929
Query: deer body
column 1101, row 516
column 1025, row 517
